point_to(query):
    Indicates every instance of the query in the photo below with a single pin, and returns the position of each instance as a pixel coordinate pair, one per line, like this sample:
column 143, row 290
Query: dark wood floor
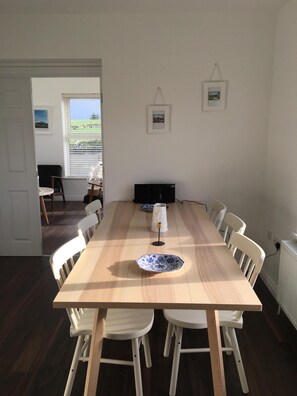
column 36, row 350
column 62, row 224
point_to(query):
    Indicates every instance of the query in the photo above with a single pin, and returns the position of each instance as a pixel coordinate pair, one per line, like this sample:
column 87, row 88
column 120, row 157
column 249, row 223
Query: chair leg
column 136, row 365
column 86, row 346
column 147, row 351
column 52, row 197
column 62, row 189
column 176, row 358
column 73, row 367
column 238, row 360
column 169, row 335
column 227, row 341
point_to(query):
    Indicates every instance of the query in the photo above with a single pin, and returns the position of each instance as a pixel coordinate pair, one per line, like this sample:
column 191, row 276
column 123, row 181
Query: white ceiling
column 135, row 6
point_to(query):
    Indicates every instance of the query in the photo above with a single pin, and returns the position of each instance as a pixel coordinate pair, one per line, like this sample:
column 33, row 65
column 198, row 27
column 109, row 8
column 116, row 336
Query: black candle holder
column 158, row 242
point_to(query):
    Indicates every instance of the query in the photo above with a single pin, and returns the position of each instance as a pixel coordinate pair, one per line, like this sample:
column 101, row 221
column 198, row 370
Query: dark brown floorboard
column 36, row 350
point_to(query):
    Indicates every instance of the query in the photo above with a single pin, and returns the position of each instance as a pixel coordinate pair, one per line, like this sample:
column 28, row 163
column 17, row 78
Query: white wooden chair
column 217, row 212
column 250, row 261
column 87, row 226
column 121, row 324
column 95, row 207
column 232, row 223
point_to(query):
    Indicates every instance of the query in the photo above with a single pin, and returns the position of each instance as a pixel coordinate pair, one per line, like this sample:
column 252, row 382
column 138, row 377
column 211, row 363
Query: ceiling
column 135, row 6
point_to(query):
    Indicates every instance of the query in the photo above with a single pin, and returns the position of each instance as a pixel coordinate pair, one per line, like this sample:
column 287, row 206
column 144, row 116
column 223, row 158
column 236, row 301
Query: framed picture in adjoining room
column 158, row 117
column 42, row 120
column 214, row 95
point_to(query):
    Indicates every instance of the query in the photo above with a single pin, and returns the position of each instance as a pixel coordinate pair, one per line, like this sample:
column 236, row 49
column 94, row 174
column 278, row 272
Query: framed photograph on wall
column 214, row 95
column 42, row 120
column 158, row 117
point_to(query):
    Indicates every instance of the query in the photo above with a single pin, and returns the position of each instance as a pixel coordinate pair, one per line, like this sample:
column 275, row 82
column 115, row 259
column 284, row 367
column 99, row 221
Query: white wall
column 281, row 179
column 207, row 154
column 49, row 148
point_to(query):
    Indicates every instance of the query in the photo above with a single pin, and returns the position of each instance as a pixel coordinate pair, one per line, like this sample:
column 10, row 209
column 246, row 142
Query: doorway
column 19, row 210
column 71, row 138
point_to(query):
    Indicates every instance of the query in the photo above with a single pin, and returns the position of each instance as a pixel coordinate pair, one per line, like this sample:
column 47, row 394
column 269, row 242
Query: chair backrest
column 250, row 257
column 87, row 226
column 62, row 261
column 232, row 223
column 45, row 172
column 95, row 207
column 217, row 212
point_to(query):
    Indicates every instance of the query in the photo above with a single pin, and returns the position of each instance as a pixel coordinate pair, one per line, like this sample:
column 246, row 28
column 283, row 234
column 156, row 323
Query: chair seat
column 121, row 324
column 196, row 319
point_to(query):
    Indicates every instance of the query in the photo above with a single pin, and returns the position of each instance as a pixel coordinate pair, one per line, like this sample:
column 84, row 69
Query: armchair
column 95, row 192
column 51, row 176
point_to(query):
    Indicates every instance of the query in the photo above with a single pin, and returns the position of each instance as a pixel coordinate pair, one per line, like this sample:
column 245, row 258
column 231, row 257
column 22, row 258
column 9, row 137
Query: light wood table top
column 107, row 276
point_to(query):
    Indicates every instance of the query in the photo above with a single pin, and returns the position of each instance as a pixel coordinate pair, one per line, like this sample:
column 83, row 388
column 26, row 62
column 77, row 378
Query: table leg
column 95, row 353
column 43, row 209
column 216, row 355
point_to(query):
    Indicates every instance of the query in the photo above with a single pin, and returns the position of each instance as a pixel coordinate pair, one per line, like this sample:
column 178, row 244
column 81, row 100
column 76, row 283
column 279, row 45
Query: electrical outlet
column 273, row 239
column 277, row 246
column 276, row 243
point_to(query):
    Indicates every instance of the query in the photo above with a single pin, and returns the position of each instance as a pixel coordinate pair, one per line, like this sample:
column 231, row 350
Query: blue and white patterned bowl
column 147, row 207
column 160, row 262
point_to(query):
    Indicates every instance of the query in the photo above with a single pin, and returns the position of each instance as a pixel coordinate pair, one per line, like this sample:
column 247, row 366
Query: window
column 82, row 133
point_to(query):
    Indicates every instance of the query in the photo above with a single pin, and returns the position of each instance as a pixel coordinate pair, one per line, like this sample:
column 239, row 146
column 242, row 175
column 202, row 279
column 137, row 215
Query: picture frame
column 158, row 119
column 214, row 95
column 42, row 118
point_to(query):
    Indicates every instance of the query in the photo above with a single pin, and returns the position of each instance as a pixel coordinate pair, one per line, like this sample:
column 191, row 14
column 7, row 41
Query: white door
column 20, row 229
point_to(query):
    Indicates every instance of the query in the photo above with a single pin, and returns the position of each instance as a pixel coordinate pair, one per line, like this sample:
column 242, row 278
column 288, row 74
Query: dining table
column 107, row 275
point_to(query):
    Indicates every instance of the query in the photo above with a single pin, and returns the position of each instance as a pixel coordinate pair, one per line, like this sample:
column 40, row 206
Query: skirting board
column 271, row 285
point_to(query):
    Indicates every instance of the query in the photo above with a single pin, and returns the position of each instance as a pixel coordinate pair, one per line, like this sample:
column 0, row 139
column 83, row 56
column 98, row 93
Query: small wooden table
column 107, row 276
column 43, row 191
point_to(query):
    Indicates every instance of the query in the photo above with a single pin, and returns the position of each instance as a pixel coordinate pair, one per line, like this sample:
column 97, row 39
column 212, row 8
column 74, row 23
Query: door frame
column 51, row 68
